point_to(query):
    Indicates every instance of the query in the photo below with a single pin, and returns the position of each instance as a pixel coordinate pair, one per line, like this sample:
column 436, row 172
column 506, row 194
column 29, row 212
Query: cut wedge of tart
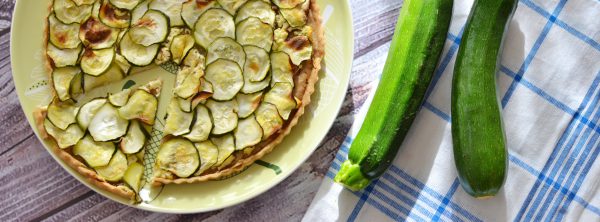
column 104, row 138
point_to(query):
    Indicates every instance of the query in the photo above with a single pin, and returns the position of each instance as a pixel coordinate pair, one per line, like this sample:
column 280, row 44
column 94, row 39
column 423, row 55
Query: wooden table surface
column 34, row 187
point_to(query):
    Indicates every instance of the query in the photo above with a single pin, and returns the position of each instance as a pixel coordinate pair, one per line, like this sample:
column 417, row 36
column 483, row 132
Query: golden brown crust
column 39, row 115
column 313, row 75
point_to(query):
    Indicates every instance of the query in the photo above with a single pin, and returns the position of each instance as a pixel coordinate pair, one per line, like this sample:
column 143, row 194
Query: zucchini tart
column 245, row 70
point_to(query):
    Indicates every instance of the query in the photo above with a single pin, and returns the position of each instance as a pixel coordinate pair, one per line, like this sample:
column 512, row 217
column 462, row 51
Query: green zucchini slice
column 226, row 78
column 125, row 4
column 226, row 146
column 252, row 31
column 62, row 114
column 139, row 11
column 248, row 133
column 178, row 122
column 113, row 74
column 113, row 16
column 96, row 35
column 178, row 156
column 189, row 82
column 287, row 3
column 296, row 16
column 223, row 115
column 107, row 125
column 96, row 62
column 180, row 46
column 63, row 57
column 62, row 35
column 119, row 99
column 201, row 125
column 194, row 59
column 115, row 169
column 76, row 87
column 256, row 8
column 280, row 95
column 226, row 48
column 185, row 104
column 257, row 63
column 68, row 12
column 268, row 118
column 123, row 64
column 137, row 54
column 247, row 103
column 83, row 2
column 209, row 154
column 64, row 138
column 193, row 9
column 62, row 79
column 171, row 8
column 94, row 153
column 134, row 140
column 281, row 68
column 141, row 106
column 88, row 111
column 133, row 175
column 298, row 48
column 214, row 23
column 231, row 5
column 150, row 29
column 252, row 87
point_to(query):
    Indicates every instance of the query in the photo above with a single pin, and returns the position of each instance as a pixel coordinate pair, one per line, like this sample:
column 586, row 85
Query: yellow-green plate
column 31, row 81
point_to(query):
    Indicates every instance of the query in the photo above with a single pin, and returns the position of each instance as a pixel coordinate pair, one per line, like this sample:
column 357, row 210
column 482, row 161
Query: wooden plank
column 374, row 22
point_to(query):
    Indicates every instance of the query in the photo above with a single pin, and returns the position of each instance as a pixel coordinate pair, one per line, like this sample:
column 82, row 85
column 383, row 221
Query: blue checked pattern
column 401, row 196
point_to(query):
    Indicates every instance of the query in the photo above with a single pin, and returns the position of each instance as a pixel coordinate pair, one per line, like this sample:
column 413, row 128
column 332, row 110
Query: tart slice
column 240, row 88
column 104, row 138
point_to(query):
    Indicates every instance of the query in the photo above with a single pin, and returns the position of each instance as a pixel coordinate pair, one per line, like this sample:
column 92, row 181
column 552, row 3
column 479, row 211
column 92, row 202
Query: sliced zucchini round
column 298, row 48
column 139, row 11
column 296, row 16
column 190, row 83
column 231, row 5
column 214, row 23
column 134, row 140
column 281, row 68
column 64, row 138
column 185, row 104
column 287, row 3
column 133, row 175
column 115, row 169
column 88, row 111
column 226, row 48
column 280, row 95
column 113, row 16
column 153, row 87
column 96, row 8
column 62, row 78
column 201, row 125
column 256, row 8
column 68, row 12
column 193, row 9
column 268, row 118
column 113, row 74
column 178, row 122
column 137, row 54
column 107, row 125
column 180, row 46
column 194, row 59
column 62, row 35
column 209, row 154
column 252, row 87
column 62, row 114
column 226, row 146
column 141, row 106
column 63, row 57
column 123, row 64
column 94, row 153
column 150, row 29
column 84, row 2
column 248, row 133
column 257, row 63
column 125, row 4
column 76, row 87
column 224, row 116
column 247, row 103
column 96, row 62
column 252, row 31
column 119, row 99
column 226, row 78
column 96, row 35
column 178, row 156
column 171, row 8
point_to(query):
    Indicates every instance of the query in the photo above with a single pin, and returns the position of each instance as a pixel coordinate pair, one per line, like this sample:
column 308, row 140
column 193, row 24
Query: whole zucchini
column 415, row 50
column 477, row 133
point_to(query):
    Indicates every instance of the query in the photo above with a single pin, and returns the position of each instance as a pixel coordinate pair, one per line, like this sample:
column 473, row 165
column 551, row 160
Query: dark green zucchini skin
column 414, row 53
column 478, row 136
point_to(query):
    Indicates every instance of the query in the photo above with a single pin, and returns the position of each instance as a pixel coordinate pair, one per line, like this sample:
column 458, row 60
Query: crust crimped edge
column 318, row 40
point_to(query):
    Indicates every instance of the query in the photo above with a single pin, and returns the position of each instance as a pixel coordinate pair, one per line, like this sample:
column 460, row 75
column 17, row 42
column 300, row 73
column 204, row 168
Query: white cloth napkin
column 549, row 87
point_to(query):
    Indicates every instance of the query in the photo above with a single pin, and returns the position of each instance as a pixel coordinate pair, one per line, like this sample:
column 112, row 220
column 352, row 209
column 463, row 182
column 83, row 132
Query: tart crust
column 304, row 81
